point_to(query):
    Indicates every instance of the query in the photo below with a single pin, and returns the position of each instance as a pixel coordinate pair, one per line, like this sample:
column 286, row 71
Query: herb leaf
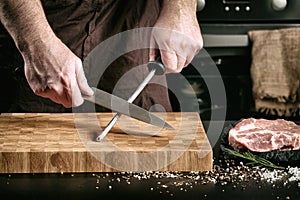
column 254, row 160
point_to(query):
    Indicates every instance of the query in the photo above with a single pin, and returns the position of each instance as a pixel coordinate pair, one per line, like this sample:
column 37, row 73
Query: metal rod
column 130, row 100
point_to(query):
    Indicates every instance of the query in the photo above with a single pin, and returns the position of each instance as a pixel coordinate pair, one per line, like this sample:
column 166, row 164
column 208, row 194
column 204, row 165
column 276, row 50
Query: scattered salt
column 237, row 175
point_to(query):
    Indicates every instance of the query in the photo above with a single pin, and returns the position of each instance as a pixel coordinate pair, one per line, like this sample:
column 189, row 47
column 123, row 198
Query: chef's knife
column 120, row 105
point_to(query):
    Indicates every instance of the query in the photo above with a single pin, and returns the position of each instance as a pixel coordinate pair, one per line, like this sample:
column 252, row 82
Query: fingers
column 68, row 88
column 73, row 87
column 57, row 94
column 77, row 99
column 59, row 91
column 177, row 48
column 169, row 59
column 153, row 52
column 82, row 81
column 173, row 62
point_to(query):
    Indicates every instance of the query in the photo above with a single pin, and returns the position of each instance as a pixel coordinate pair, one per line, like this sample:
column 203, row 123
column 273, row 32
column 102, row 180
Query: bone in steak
column 262, row 135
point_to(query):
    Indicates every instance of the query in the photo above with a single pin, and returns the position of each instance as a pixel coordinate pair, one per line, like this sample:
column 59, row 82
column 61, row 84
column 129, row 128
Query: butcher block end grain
column 65, row 142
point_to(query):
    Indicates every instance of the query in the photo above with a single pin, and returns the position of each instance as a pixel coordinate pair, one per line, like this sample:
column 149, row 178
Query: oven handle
column 215, row 40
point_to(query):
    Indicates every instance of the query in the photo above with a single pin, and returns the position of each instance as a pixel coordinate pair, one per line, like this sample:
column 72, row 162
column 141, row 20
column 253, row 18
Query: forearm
column 25, row 21
column 179, row 7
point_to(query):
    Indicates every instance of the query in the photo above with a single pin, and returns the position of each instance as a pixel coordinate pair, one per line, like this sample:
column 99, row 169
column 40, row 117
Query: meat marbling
column 262, row 135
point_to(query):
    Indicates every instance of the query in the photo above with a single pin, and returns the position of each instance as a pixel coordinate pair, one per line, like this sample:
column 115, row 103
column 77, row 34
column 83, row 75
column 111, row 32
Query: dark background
column 235, row 69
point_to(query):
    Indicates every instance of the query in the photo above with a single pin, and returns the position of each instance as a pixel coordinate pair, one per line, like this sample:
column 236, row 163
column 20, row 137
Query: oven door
column 230, row 56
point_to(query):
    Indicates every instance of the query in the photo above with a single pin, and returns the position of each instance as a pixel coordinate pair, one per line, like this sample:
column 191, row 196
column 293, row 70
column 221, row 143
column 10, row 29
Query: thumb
column 82, row 81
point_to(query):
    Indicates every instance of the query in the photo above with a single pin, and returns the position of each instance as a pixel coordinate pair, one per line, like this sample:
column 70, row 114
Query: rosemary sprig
column 255, row 161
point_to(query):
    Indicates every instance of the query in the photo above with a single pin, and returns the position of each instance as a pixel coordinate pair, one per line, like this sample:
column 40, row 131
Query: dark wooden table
column 185, row 185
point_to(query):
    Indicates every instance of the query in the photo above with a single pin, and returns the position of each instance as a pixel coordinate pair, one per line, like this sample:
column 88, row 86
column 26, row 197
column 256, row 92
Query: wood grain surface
column 52, row 143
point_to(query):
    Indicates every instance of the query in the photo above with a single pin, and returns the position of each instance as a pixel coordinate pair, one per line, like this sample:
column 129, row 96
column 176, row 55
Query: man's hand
column 176, row 34
column 51, row 69
column 54, row 72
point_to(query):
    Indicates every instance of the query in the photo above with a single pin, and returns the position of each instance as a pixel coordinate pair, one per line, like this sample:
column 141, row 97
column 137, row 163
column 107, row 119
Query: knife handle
column 157, row 65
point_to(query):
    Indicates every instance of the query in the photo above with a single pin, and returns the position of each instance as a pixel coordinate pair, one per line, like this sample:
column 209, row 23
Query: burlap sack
column 275, row 71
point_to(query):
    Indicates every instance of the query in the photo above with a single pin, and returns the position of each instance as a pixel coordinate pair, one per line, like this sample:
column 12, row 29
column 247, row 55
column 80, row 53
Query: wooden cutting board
column 51, row 143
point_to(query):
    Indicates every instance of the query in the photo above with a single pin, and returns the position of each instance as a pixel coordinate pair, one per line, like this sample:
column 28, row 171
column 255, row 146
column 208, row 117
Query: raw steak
column 262, row 135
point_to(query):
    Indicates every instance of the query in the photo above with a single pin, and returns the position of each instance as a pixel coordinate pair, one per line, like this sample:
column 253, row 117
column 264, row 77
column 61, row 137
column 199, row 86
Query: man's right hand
column 51, row 69
column 54, row 72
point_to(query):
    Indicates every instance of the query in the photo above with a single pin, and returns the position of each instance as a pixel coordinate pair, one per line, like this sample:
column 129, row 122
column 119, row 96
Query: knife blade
column 117, row 104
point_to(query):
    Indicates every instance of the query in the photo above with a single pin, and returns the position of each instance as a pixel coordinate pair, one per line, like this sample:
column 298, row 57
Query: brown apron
column 82, row 25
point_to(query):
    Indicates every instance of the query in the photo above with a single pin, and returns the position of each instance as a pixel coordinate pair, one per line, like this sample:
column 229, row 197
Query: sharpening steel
column 155, row 68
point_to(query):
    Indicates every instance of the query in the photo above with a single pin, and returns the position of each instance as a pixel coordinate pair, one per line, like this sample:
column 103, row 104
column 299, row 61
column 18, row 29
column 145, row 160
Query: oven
column 225, row 25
